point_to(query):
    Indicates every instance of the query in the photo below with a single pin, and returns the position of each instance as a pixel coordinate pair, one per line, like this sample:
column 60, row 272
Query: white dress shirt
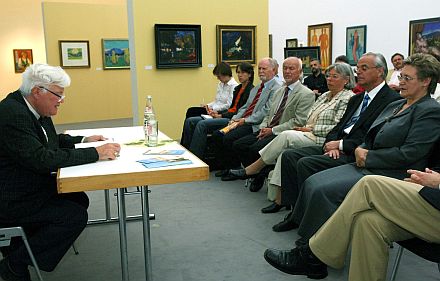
column 223, row 98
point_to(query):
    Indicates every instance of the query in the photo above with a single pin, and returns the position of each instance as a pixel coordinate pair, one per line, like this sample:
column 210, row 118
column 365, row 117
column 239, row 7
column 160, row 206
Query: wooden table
column 126, row 172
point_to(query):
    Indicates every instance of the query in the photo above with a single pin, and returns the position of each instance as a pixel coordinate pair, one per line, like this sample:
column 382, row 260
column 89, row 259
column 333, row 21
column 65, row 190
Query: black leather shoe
column 273, row 208
column 257, row 183
column 301, row 242
column 286, row 224
column 221, row 173
column 299, row 261
column 7, row 275
column 239, row 174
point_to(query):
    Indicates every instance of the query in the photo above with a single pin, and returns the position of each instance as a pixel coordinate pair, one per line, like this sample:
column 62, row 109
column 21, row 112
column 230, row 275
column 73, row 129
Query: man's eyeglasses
column 405, row 78
column 364, row 67
column 61, row 97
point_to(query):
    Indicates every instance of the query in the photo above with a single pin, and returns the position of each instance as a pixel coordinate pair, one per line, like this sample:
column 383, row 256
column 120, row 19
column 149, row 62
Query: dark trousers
column 247, row 147
column 226, row 158
column 191, row 112
column 51, row 231
column 299, row 164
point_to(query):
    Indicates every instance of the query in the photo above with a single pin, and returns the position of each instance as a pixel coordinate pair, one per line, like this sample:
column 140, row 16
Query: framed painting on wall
column 22, row 59
column 355, row 43
column 74, row 54
column 115, row 54
column 291, row 43
column 235, row 44
column 424, row 36
column 306, row 54
column 321, row 35
column 178, row 45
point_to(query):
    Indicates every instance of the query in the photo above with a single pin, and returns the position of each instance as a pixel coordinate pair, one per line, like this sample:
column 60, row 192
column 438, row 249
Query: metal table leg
column 123, row 234
column 146, row 230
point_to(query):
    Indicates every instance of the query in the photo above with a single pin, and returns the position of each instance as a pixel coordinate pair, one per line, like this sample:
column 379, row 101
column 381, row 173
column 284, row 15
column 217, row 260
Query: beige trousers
column 272, row 151
column 377, row 211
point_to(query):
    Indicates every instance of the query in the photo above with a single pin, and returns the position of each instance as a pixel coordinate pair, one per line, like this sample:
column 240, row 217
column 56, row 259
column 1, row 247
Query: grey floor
column 204, row 231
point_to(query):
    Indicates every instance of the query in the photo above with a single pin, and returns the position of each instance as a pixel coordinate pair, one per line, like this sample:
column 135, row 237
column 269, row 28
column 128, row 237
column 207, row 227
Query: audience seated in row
column 196, row 128
column 323, row 116
column 249, row 116
column 222, row 101
column 402, row 139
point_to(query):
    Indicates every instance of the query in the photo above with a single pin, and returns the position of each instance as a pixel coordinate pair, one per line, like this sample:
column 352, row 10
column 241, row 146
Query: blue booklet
column 164, row 162
column 164, row 152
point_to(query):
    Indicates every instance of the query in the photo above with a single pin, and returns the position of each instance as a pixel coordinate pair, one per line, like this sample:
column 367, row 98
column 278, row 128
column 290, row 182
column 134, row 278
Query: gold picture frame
column 321, row 35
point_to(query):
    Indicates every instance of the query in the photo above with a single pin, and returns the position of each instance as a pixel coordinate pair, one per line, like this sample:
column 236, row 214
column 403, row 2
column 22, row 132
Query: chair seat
column 426, row 250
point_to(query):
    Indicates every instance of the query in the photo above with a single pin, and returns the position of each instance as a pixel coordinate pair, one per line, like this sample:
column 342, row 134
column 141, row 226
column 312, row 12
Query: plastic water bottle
column 150, row 123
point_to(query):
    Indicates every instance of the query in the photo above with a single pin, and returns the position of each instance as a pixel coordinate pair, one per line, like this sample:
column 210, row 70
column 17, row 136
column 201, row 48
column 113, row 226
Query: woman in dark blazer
column 196, row 128
column 401, row 138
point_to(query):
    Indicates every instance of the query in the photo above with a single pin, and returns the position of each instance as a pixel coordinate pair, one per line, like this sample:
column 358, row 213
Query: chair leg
column 74, row 249
column 396, row 263
column 31, row 255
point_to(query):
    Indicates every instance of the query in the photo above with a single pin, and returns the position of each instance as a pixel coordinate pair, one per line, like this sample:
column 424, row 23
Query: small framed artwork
column 74, row 54
column 22, row 59
column 424, row 36
column 355, row 43
column 178, row 45
column 291, row 43
column 321, row 35
column 306, row 54
column 236, row 44
column 115, row 54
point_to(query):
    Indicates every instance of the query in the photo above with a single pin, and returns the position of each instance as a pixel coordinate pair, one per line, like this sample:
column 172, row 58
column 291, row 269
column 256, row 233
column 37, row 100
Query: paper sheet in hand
column 206, row 116
column 159, row 162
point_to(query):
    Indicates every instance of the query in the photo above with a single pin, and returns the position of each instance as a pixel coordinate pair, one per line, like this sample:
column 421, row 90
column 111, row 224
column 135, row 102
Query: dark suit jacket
column 359, row 130
column 243, row 98
column 27, row 159
column 398, row 142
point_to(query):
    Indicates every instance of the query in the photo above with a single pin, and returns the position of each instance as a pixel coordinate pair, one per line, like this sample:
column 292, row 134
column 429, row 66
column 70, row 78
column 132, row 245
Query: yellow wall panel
column 174, row 90
column 95, row 94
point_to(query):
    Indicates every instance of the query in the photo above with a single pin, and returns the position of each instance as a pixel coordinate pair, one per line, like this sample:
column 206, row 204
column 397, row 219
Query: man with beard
column 316, row 82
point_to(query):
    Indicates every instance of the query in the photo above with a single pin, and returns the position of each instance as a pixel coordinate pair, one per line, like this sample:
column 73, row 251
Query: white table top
column 125, row 171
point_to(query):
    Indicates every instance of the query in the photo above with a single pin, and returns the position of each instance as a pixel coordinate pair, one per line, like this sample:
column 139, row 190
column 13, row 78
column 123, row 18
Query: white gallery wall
column 387, row 22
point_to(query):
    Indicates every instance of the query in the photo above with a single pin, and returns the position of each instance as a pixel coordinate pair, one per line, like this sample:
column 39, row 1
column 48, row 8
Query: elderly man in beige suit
column 289, row 107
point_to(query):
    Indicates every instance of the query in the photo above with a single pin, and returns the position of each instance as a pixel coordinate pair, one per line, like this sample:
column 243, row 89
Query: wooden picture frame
column 178, row 45
column 236, row 44
column 355, row 43
column 306, row 54
column 74, row 53
column 424, row 36
column 321, row 35
column 292, row 43
column 22, row 59
column 115, row 54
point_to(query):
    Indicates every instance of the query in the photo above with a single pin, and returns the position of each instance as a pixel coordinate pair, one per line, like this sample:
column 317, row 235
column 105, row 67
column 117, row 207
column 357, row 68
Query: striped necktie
column 251, row 107
column 354, row 119
column 276, row 118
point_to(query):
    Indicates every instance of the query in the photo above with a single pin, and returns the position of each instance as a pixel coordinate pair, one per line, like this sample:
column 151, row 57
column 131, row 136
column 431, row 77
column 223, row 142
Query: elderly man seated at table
column 30, row 154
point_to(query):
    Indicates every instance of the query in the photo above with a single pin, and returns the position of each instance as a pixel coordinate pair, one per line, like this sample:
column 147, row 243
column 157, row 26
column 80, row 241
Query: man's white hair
column 43, row 75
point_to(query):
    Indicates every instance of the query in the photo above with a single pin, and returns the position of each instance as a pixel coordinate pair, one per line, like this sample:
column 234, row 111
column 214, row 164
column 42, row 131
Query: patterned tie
column 254, row 102
column 276, row 118
column 354, row 119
